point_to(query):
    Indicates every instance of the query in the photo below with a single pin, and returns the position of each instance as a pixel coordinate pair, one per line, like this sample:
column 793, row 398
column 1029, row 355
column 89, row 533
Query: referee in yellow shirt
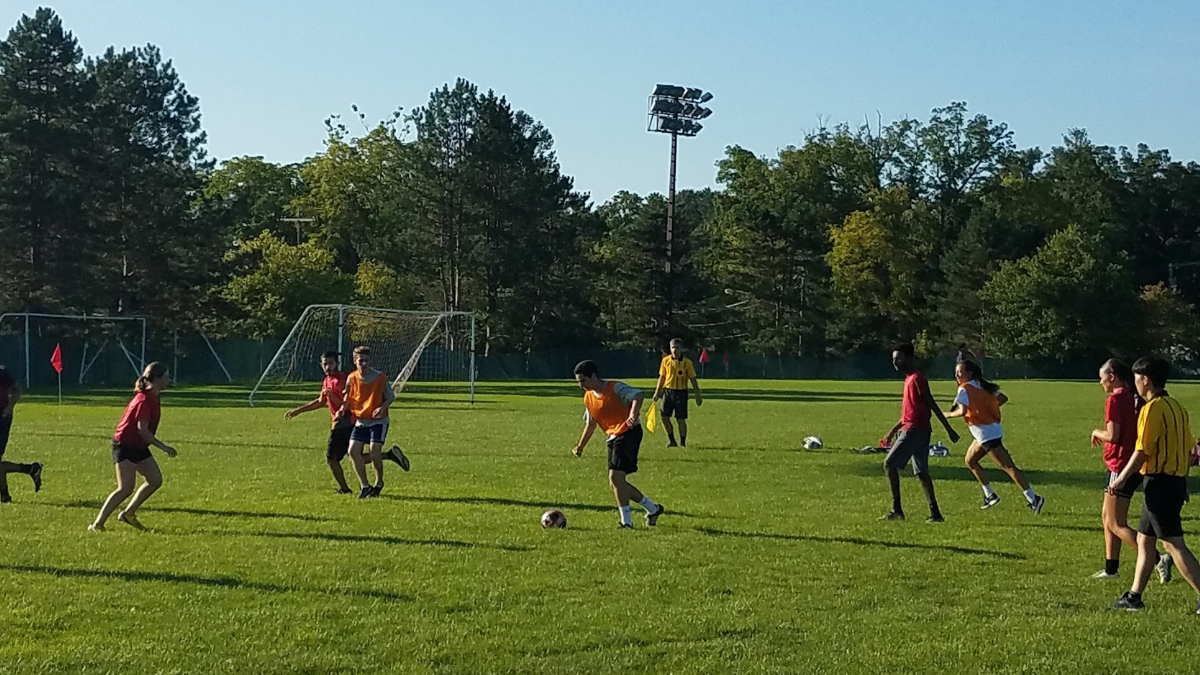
column 674, row 373
column 1164, row 442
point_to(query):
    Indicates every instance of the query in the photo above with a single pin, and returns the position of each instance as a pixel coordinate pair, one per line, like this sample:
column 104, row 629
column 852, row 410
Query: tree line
column 941, row 231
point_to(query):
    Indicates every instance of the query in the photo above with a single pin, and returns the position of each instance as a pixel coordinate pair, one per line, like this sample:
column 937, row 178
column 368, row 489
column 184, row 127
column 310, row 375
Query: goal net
column 97, row 350
column 427, row 347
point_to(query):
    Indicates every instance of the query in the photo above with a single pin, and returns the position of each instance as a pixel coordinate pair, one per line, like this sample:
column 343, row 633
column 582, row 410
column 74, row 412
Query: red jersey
column 336, row 383
column 1119, row 409
column 143, row 407
column 915, row 413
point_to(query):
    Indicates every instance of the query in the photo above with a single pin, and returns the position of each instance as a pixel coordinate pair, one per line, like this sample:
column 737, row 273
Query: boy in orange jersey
column 979, row 401
column 615, row 407
column 368, row 397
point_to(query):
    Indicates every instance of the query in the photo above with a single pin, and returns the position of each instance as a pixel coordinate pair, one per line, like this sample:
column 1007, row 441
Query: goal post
column 405, row 345
column 91, row 335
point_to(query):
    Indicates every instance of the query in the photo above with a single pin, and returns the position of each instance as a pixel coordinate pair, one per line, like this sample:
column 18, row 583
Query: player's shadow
column 501, row 501
column 858, row 541
column 797, row 395
column 391, row 541
column 953, row 469
column 95, row 506
column 225, row 582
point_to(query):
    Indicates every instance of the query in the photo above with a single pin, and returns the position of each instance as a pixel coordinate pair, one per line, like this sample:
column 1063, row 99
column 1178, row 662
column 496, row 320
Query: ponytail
column 153, row 371
column 976, row 372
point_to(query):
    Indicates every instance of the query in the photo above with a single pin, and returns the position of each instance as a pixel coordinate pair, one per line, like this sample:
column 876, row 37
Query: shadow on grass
column 799, row 395
column 233, row 396
column 393, row 541
column 501, row 501
column 858, row 541
column 953, row 469
column 232, row 583
column 95, row 506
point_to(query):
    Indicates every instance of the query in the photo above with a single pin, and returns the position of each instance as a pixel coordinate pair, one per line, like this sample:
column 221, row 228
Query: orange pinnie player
column 368, row 397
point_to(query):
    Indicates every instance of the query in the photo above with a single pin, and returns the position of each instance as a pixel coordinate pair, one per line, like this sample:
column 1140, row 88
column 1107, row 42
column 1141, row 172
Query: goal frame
column 341, row 343
column 74, row 317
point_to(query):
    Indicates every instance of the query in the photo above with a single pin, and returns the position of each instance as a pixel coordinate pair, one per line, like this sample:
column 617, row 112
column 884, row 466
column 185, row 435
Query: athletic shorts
column 5, row 428
column 909, row 445
column 992, row 444
column 675, row 403
column 125, row 453
column 339, row 443
column 1131, row 485
column 1165, row 496
column 376, row 433
column 623, row 450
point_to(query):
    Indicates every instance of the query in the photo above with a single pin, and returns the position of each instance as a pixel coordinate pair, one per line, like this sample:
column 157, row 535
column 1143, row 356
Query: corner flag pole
column 57, row 362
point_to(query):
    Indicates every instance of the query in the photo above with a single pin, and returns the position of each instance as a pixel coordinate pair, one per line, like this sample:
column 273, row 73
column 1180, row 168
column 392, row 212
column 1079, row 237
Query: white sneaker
column 1102, row 574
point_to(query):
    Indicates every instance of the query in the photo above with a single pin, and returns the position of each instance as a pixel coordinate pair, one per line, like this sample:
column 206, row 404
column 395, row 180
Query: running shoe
column 935, row 518
column 1163, row 568
column 95, row 528
column 375, row 490
column 1129, row 602
column 989, row 501
column 894, row 515
column 130, row 520
column 5, row 499
column 652, row 518
column 1103, row 574
column 344, row 491
column 397, row 455
column 36, row 474
column 623, row 526
column 1037, row 504
column 365, row 492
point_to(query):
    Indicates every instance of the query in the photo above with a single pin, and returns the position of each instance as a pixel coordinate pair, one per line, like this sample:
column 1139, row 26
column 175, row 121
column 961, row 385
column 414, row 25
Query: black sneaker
column 1129, row 602
column 36, row 474
column 375, row 490
column 935, row 518
column 652, row 518
column 989, row 502
column 683, row 442
column 623, row 526
column 344, row 491
column 672, row 444
column 5, row 499
column 397, row 455
column 365, row 492
column 894, row 515
column 1038, row 503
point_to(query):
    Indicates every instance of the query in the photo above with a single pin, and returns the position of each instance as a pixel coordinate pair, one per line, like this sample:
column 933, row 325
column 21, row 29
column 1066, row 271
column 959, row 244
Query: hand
column 578, row 451
column 290, row 414
column 378, row 412
column 633, row 421
column 699, row 401
column 1096, row 442
column 1114, row 488
column 953, row 436
column 169, row 450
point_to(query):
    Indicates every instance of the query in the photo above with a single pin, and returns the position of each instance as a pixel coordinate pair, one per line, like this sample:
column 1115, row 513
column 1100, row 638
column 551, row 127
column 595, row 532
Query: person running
column 674, row 373
column 1161, row 456
column 978, row 402
column 333, row 388
column 368, row 397
column 909, row 439
column 10, row 393
column 615, row 408
column 131, row 444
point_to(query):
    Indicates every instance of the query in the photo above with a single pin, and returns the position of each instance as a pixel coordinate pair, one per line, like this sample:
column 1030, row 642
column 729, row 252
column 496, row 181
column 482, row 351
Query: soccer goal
column 96, row 349
column 405, row 345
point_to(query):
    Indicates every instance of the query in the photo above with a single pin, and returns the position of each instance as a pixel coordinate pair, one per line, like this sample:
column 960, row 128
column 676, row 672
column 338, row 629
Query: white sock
column 650, row 506
column 1030, row 495
column 626, row 515
column 988, row 491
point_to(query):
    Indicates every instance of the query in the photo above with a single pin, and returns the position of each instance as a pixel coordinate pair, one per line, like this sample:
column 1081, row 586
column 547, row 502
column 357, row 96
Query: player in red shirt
column 909, row 439
column 333, row 394
column 131, row 448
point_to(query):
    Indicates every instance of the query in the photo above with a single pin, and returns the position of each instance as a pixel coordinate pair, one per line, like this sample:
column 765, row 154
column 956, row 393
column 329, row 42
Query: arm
column 315, row 404
column 1108, row 434
column 696, row 386
column 635, row 409
column 658, row 387
column 1001, row 397
column 389, row 395
column 14, row 395
column 588, row 430
column 928, row 396
column 143, row 427
column 887, row 440
column 1135, row 464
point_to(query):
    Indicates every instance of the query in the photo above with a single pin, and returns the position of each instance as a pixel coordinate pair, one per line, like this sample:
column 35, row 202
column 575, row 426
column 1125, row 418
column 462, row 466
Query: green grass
column 770, row 560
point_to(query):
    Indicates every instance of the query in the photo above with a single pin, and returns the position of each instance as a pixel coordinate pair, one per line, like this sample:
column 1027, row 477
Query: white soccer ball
column 813, row 443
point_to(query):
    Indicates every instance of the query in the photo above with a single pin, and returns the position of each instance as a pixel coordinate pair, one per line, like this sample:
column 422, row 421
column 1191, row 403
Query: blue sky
column 268, row 72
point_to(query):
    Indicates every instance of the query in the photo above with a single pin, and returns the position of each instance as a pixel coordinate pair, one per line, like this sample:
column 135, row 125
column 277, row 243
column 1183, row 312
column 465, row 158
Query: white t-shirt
column 982, row 432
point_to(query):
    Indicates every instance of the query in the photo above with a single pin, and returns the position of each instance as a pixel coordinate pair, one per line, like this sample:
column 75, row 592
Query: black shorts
column 675, row 403
column 623, row 450
column 992, row 444
column 1165, row 496
column 5, row 427
column 1131, row 485
column 124, row 453
column 909, row 445
column 339, row 443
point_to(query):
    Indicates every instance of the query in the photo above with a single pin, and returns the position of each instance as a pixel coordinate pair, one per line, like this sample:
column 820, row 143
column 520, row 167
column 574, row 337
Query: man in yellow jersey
column 1164, row 441
column 615, row 408
column 674, row 373
column 368, row 397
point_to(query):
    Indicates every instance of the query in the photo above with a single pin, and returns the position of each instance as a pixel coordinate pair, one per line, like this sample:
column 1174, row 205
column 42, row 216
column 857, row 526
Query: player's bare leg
column 360, row 468
column 377, row 462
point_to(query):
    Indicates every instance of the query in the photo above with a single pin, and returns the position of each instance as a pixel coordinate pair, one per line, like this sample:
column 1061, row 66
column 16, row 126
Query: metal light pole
column 675, row 110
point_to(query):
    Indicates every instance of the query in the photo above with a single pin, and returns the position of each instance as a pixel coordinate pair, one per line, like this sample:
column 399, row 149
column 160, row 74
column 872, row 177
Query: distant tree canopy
column 942, row 230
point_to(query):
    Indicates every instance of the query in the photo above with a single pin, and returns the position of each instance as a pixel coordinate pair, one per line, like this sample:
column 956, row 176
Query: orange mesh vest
column 983, row 409
column 607, row 409
column 365, row 397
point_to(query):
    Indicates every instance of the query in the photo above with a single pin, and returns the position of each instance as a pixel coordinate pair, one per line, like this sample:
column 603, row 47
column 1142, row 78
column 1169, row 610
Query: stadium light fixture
column 675, row 110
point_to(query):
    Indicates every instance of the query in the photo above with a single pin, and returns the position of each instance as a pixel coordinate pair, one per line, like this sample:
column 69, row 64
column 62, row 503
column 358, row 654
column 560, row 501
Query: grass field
column 770, row 559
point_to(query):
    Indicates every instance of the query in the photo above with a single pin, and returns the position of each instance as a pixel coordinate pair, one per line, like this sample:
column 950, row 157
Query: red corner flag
column 56, row 359
column 703, row 356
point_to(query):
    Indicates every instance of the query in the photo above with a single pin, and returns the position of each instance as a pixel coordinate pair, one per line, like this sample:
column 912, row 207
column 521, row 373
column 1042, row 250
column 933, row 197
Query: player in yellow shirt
column 1164, row 443
column 674, row 373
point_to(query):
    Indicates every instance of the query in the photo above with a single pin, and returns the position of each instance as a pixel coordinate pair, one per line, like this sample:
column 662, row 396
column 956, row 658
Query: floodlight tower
column 675, row 110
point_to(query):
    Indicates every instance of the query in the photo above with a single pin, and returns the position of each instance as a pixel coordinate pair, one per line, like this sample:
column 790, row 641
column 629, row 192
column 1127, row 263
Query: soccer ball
column 813, row 443
column 553, row 518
